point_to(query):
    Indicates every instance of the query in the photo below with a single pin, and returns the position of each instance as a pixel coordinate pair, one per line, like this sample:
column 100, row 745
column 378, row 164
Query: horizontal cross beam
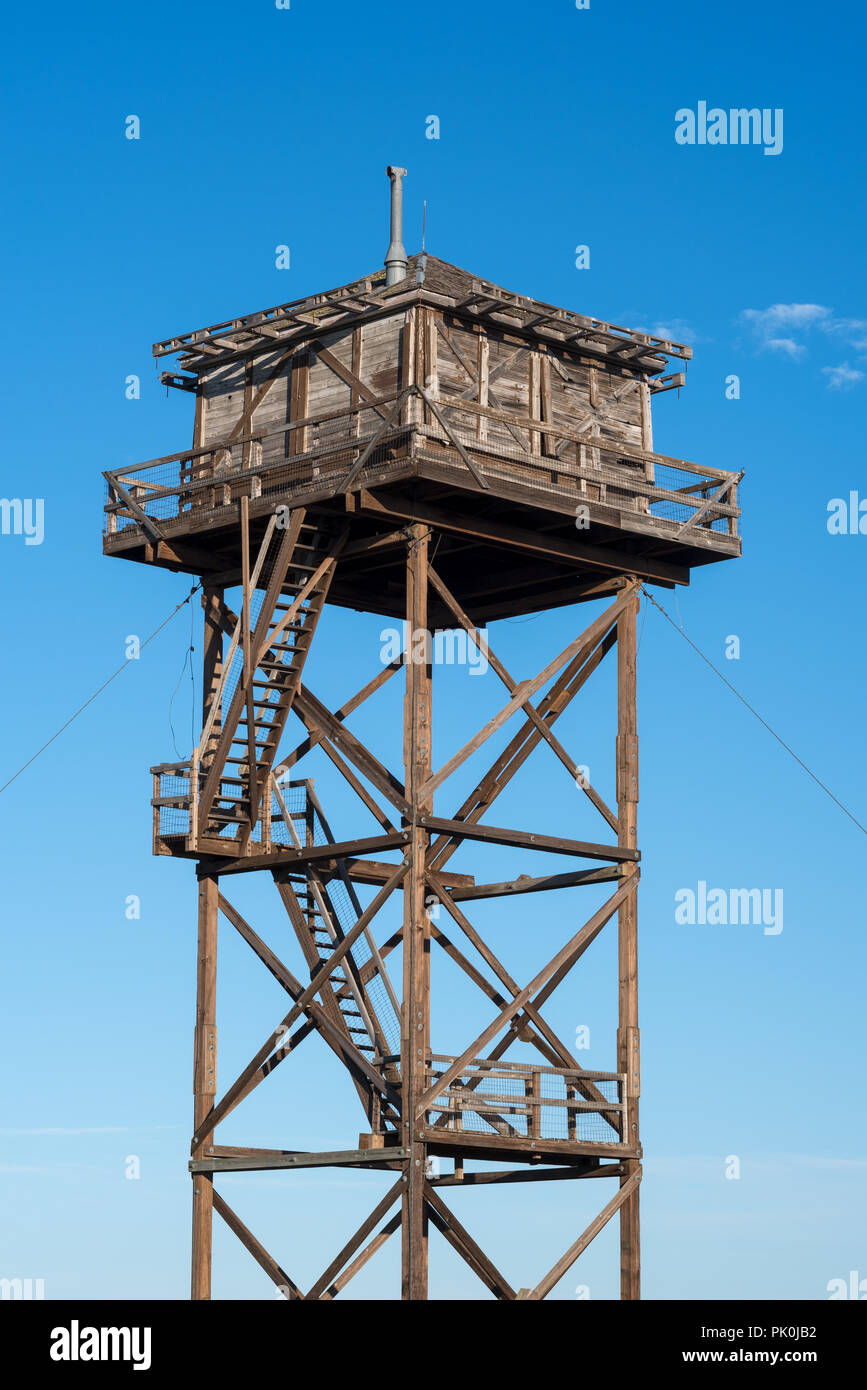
column 337, row 1158
column 525, row 839
column 526, row 884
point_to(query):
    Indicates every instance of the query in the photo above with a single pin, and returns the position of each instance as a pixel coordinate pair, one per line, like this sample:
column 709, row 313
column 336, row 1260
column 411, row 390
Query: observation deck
column 520, row 429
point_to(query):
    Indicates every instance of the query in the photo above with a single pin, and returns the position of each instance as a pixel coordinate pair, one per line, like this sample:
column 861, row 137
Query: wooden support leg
column 415, row 1022
column 205, row 1045
column 205, row 1082
column 627, row 1034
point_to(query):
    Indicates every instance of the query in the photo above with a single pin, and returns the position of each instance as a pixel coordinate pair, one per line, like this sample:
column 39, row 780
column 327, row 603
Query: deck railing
column 175, row 805
column 360, row 444
column 523, row 1101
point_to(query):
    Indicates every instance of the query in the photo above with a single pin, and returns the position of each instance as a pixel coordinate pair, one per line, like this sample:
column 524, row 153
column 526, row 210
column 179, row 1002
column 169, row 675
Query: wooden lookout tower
column 424, row 445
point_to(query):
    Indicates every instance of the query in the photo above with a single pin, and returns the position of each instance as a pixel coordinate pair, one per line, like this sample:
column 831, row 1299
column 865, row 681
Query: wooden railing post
column 193, row 834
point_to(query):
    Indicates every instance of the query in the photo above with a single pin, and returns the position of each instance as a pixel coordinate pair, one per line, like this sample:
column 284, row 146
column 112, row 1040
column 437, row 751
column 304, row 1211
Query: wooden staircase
column 295, row 568
column 321, row 918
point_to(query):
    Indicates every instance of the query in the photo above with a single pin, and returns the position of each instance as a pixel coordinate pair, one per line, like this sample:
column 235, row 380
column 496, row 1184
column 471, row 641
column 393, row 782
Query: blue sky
column 262, row 127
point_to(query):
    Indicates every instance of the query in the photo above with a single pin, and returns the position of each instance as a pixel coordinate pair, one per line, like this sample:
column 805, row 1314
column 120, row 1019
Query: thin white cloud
column 846, row 328
column 842, row 377
column 675, row 330
column 767, row 322
column 787, row 346
column 784, row 329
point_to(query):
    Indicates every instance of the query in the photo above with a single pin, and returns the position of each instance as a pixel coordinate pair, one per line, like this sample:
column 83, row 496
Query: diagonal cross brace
column 508, row 763
column 380, row 434
column 460, row 1239
column 256, row 1249
column 528, row 707
column 240, row 1086
column 531, row 1012
column 565, row 1263
column 317, row 1017
column 701, row 512
column 327, row 1279
column 526, row 689
column 568, row 953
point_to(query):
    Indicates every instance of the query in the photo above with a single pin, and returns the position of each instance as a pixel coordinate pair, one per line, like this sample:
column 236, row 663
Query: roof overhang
column 303, row 319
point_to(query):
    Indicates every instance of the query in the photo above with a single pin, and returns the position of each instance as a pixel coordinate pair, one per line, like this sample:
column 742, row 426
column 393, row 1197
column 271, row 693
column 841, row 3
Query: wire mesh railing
column 523, row 1101
column 649, row 490
column 176, row 790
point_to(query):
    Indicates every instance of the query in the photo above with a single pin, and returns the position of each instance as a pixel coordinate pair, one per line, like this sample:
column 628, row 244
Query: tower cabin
column 521, row 430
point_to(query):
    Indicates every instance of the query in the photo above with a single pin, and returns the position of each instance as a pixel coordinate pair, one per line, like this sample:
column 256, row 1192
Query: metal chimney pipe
column 395, row 256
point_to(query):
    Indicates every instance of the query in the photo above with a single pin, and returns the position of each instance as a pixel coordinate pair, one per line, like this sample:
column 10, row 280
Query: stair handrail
column 233, row 646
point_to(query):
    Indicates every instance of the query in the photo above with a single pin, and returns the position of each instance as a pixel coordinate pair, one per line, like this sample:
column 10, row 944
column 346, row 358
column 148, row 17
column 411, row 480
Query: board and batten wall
column 456, row 360
column 306, row 384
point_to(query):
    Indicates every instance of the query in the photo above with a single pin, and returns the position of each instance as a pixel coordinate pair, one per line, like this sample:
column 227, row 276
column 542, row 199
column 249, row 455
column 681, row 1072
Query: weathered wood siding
column 307, row 382
column 573, row 392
